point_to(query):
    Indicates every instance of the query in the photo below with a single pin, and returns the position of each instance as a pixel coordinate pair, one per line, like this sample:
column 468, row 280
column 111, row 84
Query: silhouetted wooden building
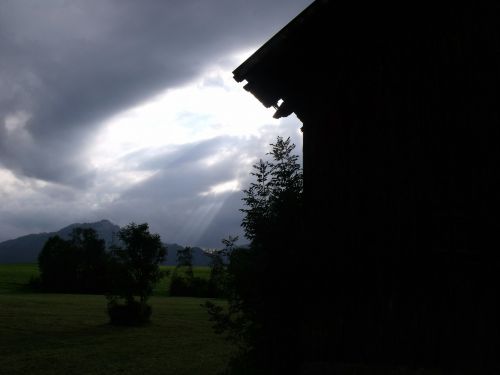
column 401, row 121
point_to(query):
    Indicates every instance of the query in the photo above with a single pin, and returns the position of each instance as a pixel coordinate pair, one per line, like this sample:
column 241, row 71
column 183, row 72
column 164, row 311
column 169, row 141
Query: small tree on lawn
column 135, row 271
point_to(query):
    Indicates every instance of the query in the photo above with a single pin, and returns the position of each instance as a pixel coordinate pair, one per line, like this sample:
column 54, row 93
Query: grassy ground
column 69, row 334
column 14, row 277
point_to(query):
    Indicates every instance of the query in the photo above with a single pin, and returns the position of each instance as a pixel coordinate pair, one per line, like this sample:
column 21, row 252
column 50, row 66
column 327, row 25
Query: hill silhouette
column 25, row 249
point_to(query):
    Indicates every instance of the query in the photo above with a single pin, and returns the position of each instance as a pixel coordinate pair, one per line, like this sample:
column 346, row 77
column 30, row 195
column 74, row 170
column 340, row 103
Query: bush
column 132, row 313
column 180, row 286
column 184, row 283
column 35, row 283
column 185, row 286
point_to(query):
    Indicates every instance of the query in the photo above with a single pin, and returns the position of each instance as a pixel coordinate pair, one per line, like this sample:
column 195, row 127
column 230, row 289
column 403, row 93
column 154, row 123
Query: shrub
column 184, row 283
column 131, row 313
column 180, row 286
column 35, row 283
column 185, row 286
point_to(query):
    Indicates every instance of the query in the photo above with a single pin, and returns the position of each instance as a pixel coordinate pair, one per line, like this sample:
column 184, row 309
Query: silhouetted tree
column 77, row 265
column 182, row 280
column 217, row 282
column 263, row 313
column 185, row 261
column 92, row 260
column 57, row 265
column 135, row 270
column 218, row 265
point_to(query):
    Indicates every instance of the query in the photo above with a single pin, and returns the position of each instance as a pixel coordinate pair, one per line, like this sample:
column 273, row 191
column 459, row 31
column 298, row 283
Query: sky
column 127, row 111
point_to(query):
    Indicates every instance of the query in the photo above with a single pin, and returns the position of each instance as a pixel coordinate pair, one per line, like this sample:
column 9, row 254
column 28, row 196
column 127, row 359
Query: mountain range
column 25, row 249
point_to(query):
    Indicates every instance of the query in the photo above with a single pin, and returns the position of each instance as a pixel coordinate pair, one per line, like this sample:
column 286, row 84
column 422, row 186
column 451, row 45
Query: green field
column 69, row 334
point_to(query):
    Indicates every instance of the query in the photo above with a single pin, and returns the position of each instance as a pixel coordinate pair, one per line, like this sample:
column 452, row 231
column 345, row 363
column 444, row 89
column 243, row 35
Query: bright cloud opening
column 209, row 107
column 225, row 187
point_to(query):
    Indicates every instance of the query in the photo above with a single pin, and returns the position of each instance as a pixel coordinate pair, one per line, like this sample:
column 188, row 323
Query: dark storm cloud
column 67, row 66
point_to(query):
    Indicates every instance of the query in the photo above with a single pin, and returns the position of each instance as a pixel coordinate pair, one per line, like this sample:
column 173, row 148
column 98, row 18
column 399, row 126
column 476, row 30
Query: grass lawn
column 69, row 334
column 14, row 277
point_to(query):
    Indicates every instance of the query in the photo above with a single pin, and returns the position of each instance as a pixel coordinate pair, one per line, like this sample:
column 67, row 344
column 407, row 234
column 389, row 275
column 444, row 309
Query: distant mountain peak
column 25, row 249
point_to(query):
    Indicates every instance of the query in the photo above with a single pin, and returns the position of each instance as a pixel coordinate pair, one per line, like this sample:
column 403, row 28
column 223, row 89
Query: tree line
column 126, row 274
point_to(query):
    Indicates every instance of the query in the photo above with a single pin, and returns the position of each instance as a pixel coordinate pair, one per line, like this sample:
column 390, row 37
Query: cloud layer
column 68, row 67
